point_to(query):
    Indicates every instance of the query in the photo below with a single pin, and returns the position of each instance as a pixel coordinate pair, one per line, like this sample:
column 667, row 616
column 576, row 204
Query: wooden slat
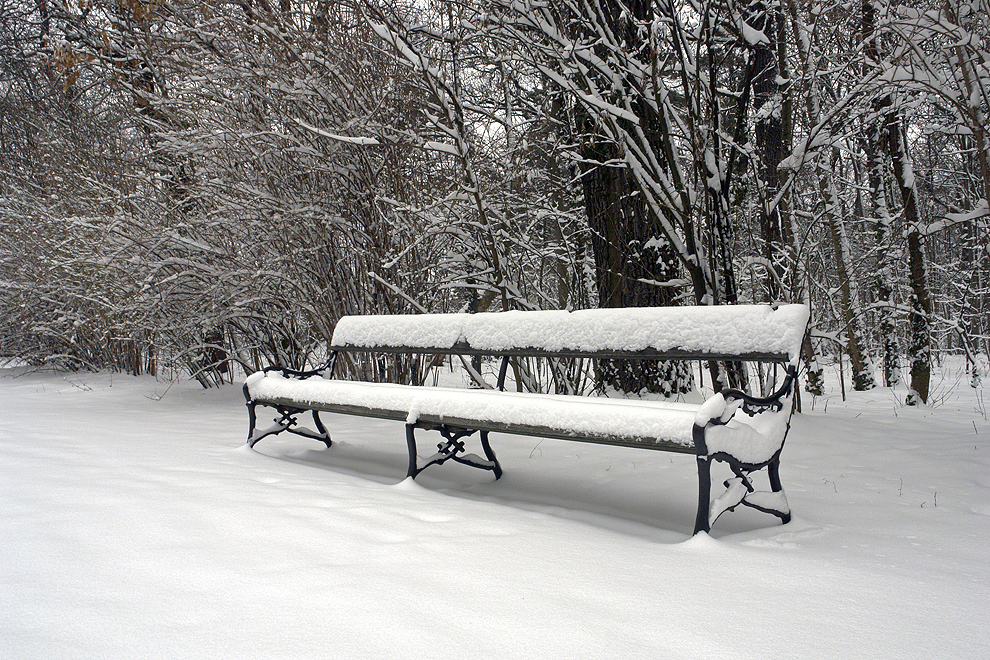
column 740, row 332
column 462, row 348
column 659, row 444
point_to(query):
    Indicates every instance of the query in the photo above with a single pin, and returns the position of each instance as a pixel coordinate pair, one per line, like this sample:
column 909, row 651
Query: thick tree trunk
column 879, row 211
column 919, row 352
column 769, row 138
column 883, row 281
column 631, row 260
column 919, row 345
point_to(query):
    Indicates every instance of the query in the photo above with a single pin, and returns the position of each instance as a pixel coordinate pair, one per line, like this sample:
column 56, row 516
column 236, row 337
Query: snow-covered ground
column 135, row 523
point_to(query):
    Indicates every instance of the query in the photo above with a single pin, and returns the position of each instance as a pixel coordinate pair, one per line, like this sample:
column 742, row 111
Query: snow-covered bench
column 743, row 431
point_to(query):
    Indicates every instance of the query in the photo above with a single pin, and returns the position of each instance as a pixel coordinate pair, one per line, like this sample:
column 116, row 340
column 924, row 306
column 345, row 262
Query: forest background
column 198, row 186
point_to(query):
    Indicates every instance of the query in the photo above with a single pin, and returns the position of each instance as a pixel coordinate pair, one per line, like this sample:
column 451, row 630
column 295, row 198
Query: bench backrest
column 739, row 332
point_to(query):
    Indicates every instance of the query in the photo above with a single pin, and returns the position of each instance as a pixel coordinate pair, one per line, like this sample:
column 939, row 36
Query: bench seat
column 647, row 424
column 661, row 425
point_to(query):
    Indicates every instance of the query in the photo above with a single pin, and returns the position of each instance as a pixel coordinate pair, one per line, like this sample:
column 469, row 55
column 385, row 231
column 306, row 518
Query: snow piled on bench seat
column 749, row 439
column 578, row 416
column 731, row 330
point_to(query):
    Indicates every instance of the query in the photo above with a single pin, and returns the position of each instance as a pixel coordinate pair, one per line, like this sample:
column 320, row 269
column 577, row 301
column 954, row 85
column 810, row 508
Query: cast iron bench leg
column 701, row 522
column 453, row 450
column 411, row 445
column 490, row 455
column 775, row 486
column 287, row 422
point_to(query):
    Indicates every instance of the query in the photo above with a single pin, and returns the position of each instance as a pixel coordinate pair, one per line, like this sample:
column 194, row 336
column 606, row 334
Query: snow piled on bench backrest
column 720, row 330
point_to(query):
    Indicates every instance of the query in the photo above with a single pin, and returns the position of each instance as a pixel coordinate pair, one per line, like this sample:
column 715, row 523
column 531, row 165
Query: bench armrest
column 774, row 400
column 753, row 437
column 723, row 405
column 326, row 367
